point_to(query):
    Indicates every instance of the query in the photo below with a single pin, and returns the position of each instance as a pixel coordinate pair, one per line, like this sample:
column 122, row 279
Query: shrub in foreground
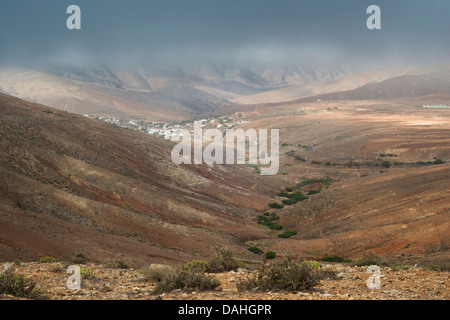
column 21, row 286
column 186, row 280
column 285, row 275
column 155, row 272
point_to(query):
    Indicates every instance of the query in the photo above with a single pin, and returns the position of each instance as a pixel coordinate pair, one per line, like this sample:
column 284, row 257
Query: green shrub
column 268, row 221
column 255, row 250
column 293, row 198
column 273, row 226
column 86, row 273
column 310, row 192
column 299, row 196
column 276, row 205
column 334, row 259
column 312, row 264
column 438, row 161
column 287, row 234
column 289, row 202
column 198, row 265
column 289, row 189
column 386, row 164
column 270, row 255
column 268, row 217
column 287, row 275
column 48, row 260
column 21, row 286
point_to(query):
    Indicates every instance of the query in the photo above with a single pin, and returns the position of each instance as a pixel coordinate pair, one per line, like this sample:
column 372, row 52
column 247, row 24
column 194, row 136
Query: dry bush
column 223, row 260
column 155, row 272
column 287, row 275
column 21, row 286
column 186, row 280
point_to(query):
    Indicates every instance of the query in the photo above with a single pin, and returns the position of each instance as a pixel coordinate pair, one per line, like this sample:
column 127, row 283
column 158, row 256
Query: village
column 167, row 130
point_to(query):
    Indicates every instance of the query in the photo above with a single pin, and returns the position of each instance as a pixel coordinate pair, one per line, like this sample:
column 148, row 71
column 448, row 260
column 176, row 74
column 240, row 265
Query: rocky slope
column 72, row 184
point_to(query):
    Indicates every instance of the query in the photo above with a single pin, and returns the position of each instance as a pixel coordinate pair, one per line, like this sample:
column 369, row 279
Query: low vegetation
column 293, row 198
column 21, row 286
column 287, row 234
column 200, row 265
column 255, row 250
column 267, row 220
column 186, row 280
column 87, row 273
column 275, row 205
column 284, row 275
column 269, row 255
column 48, row 259
column 223, row 260
column 334, row 259
column 155, row 272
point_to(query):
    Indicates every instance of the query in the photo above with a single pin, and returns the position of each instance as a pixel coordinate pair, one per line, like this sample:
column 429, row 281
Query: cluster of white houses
column 166, row 130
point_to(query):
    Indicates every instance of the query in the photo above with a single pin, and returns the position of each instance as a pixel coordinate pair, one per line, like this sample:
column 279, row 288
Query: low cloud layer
column 168, row 32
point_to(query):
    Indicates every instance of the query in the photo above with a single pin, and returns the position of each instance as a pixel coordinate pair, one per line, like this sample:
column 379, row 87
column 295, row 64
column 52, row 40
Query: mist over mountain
column 171, row 60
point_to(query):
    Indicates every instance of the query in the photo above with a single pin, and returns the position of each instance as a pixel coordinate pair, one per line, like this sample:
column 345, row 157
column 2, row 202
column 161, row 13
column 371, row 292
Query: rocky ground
column 128, row 284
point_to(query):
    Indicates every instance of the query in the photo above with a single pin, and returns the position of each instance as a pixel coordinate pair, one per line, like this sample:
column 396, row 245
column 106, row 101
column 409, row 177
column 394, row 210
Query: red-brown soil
column 71, row 184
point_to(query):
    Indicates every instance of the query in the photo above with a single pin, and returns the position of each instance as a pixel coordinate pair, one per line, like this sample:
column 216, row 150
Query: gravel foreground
column 128, row 284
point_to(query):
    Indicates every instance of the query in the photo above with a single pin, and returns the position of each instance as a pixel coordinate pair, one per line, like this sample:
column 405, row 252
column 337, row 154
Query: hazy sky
column 317, row 32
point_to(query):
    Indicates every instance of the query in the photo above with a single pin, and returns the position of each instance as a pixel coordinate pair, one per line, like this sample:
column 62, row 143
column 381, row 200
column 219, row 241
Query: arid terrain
column 128, row 284
column 74, row 184
column 374, row 167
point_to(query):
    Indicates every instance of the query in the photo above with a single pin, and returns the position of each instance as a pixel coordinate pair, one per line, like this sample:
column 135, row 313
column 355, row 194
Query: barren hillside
column 73, row 184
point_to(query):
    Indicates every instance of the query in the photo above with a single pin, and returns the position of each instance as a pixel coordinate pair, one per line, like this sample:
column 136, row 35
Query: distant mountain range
column 194, row 91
